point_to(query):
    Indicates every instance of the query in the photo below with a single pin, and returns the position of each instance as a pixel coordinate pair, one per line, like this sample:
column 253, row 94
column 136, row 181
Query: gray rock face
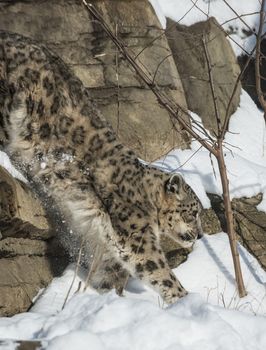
column 189, row 54
column 250, row 224
column 66, row 28
column 28, row 257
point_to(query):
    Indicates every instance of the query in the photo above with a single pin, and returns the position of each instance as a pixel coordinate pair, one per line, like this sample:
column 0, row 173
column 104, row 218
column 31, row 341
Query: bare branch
column 239, row 17
column 158, row 66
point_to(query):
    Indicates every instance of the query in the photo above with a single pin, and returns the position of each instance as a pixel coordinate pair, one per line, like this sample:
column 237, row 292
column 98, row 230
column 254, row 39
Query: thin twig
column 93, row 266
column 75, row 273
column 240, row 16
column 117, row 82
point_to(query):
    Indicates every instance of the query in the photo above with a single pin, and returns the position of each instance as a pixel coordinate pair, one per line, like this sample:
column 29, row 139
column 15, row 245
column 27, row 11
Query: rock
column 21, row 213
column 250, row 224
column 131, row 107
column 210, row 222
column 29, row 255
column 21, row 344
column 188, row 52
column 174, row 253
column 249, row 78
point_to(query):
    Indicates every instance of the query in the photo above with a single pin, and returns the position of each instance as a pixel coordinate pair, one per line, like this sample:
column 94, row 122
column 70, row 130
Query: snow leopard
column 56, row 136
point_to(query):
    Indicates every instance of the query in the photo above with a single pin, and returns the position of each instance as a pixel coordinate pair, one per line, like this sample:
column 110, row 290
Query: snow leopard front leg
column 108, row 273
column 141, row 255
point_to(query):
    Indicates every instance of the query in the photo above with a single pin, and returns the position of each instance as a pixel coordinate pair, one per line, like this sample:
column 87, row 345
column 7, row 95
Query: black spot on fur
column 168, row 283
column 96, row 143
column 108, row 202
column 58, row 153
column 4, row 88
column 137, row 249
column 32, row 75
column 122, row 216
column 97, row 122
column 112, row 162
column 143, row 229
column 116, row 267
column 119, row 147
column 23, row 83
column 108, row 154
column 75, row 90
column 78, row 135
column 110, row 136
column 65, row 123
column 45, row 131
column 121, row 230
column 40, row 109
column 37, row 55
column 86, row 110
column 30, row 105
column 151, row 266
column 56, row 105
column 2, row 53
column 161, row 263
column 88, row 157
column 139, row 268
column 48, row 86
column 153, row 248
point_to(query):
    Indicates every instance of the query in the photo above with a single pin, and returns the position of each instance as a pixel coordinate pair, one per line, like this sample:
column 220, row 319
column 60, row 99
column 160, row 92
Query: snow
column 6, row 163
column 210, row 317
column 188, row 12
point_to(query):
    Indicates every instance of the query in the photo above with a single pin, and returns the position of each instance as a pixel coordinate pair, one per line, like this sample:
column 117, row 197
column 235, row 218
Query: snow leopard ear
column 174, row 184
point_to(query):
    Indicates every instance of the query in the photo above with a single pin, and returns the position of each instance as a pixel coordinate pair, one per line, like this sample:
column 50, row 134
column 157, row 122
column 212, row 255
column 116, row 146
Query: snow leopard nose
column 200, row 235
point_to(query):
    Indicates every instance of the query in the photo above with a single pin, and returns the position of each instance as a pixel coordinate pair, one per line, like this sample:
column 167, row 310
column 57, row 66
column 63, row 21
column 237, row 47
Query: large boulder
column 187, row 44
column 29, row 256
column 249, row 223
column 67, row 28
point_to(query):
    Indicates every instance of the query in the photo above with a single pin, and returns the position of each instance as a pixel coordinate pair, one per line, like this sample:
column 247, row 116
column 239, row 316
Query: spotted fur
column 57, row 137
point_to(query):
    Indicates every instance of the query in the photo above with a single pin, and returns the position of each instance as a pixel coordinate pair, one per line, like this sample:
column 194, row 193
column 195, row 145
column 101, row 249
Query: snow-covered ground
column 212, row 316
